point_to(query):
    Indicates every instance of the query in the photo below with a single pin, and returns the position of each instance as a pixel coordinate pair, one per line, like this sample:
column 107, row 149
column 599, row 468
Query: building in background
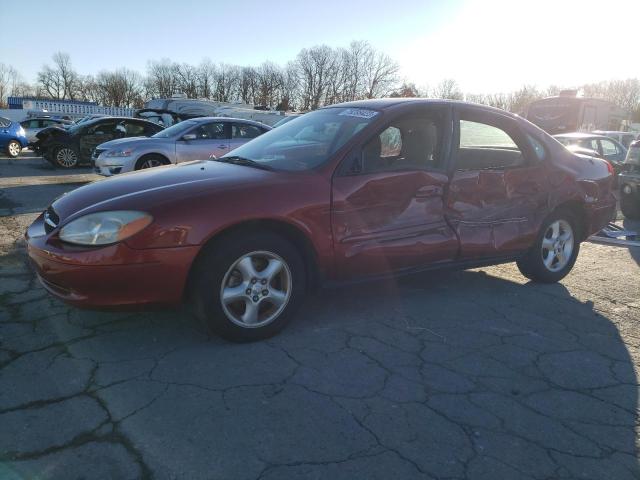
column 72, row 109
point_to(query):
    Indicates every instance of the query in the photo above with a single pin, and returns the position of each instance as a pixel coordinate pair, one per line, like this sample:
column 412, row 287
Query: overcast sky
column 487, row 46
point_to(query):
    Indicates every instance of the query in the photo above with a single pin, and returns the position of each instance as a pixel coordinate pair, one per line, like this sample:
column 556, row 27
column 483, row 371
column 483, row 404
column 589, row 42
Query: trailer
column 571, row 113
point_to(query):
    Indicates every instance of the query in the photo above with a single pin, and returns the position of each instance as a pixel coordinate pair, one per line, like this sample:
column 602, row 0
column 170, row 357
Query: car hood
column 129, row 141
column 149, row 189
column 52, row 131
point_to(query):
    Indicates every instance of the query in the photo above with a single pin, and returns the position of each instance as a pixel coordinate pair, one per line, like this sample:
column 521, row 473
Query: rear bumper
column 598, row 215
column 111, row 276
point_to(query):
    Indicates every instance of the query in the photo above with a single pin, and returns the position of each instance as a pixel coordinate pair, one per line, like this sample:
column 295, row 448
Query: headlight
column 104, row 228
column 119, row 153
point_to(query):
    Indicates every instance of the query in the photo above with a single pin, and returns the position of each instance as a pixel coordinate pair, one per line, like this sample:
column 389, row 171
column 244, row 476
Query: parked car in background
column 624, row 138
column 286, row 119
column 607, row 148
column 70, row 147
column 34, row 125
column 357, row 190
column 12, row 137
column 629, row 181
column 195, row 139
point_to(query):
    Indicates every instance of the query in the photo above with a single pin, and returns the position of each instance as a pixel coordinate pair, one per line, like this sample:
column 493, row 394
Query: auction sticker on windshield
column 359, row 112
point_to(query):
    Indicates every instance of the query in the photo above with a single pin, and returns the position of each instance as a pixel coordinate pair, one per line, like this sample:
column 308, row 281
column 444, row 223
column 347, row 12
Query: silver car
column 33, row 125
column 195, row 139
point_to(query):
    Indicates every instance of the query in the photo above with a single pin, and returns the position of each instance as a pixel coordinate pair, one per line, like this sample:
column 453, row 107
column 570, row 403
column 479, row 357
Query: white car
column 194, row 139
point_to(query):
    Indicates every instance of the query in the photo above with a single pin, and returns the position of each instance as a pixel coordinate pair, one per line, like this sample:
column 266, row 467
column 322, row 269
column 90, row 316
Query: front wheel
column 151, row 161
column 65, row 157
column 247, row 287
column 630, row 203
column 555, row 249
column 14, row 148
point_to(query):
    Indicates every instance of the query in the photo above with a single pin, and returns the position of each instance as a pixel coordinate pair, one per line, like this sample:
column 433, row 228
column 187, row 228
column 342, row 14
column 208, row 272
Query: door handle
column 222, row 146
column 428, row 191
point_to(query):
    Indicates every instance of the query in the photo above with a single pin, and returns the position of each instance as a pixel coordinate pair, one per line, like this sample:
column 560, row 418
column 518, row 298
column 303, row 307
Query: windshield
column 307, row 141
column 175, row 130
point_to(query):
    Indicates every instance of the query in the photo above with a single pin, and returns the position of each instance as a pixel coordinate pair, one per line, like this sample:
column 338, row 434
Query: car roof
column 385, row 103
column 227, row 119
column 580, row 135
column 608, row 132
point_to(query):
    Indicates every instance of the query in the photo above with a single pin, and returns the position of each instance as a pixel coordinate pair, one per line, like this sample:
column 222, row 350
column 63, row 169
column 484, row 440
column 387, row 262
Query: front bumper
column 110, row 276
column 112, row 165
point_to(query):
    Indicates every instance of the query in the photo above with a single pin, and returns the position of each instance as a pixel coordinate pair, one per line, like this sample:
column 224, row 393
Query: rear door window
column 486, row 146
column 244, row 131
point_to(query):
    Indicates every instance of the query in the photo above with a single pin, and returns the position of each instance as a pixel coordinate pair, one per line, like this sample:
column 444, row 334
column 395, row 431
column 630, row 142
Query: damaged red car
column 357, row 190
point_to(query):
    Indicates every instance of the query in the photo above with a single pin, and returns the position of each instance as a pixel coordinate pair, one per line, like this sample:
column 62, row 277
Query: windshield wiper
column 236, row 160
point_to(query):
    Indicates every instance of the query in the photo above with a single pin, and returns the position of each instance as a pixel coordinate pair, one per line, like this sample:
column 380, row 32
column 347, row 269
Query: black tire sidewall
column 630, row 205
column 150, row 157
column 8, row 149
column 532, row 265
column 213, row 264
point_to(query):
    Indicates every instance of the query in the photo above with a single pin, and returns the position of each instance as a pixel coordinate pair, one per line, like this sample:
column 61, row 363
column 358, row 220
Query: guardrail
column 75, row 109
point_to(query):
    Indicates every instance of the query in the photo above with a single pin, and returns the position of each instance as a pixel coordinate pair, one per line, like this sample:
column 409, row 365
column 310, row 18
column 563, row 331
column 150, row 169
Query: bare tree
column 406, row 90
column 121, row 88
column 380, row 74
column 59, row 81
column 314, row 66
column 9, row 79
column 448, row 89
column 161, row 81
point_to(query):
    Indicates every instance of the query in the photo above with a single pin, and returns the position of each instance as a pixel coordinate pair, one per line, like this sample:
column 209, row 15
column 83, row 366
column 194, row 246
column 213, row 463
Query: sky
column 486, row 46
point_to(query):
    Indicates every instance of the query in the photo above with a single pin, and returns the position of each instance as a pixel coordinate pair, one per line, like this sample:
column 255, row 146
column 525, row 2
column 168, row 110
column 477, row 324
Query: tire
column 555, row 249
column 630, row 204
column 13, row 149
column 241, row 267
column 65, row 157
column 151, row 161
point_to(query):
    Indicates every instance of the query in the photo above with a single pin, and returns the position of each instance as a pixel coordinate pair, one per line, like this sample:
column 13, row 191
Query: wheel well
column 147, row 155
column 577, row 208
column 286, row 230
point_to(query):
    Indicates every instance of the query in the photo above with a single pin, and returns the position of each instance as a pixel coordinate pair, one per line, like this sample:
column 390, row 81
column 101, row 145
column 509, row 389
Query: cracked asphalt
column 459, row 375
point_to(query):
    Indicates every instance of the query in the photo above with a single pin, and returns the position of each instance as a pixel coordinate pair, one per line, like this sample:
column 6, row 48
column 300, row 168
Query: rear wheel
column 151, row 161
column 65, row 157
column 629, row 203
column 555, row 249
column 248, row 287
column 14, row 148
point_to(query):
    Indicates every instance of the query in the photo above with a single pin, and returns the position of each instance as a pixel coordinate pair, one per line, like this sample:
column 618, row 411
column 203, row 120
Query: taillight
column 610, row 167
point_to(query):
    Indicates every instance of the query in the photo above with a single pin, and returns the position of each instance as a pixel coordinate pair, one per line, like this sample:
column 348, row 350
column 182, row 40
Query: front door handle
column 222, row 146
column 429, row 191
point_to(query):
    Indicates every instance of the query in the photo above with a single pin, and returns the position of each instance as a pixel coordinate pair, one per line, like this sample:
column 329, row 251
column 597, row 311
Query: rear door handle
column 429, row 191
column 222, row 146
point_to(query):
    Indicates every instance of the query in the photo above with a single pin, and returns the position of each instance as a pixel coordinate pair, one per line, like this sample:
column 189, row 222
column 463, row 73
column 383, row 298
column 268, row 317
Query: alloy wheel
column 256, row 289
column 150, row 163
column 14, row 149
column 557, row 245
column 66, row 157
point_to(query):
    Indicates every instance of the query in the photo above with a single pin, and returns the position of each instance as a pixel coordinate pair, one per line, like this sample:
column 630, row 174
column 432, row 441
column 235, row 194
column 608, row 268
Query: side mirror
column 189, row 136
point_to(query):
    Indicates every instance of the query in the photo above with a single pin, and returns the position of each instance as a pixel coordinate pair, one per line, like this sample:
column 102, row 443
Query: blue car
column 12, row 137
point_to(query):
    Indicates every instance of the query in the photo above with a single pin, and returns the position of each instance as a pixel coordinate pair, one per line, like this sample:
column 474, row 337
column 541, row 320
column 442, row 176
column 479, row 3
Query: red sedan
column 357, row 190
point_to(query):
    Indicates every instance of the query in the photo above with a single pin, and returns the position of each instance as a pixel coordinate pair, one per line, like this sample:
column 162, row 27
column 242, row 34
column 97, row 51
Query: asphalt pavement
column 477, row 374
